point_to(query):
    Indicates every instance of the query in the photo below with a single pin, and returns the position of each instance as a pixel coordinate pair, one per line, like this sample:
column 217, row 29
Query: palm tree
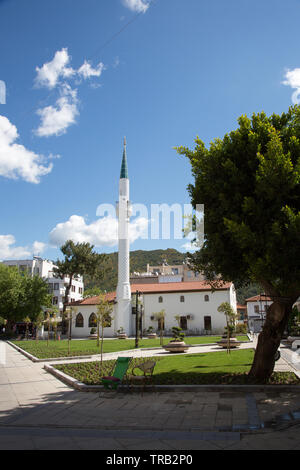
column 160, row 317
column 104, row 318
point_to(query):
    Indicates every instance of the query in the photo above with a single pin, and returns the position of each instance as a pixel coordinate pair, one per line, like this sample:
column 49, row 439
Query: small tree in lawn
column 38, row 322
column 160, row 317
column 50, row 319
column 231, row 317
column 27, row 321
column 104, row 318
column 70, row 312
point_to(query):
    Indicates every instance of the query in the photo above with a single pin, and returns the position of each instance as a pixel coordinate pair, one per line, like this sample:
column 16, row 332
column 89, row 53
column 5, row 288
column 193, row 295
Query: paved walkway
column 37, row 411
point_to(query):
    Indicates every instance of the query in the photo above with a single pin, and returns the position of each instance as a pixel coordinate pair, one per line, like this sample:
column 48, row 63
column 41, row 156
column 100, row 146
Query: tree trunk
column 269, row 340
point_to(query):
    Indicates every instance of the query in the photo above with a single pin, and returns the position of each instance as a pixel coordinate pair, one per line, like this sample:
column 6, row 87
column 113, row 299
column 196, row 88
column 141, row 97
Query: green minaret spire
column 124, row 169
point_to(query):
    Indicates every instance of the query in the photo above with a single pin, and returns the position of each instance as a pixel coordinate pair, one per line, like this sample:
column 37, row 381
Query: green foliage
column 240, row 328
column 92, row 292
column 294, row 322
column 249, row 184
column 21, row 295
column 177, row 333
column 246, row 291
column 208, row 368
column 79, row 259
column 138, row 263
column 12, row 294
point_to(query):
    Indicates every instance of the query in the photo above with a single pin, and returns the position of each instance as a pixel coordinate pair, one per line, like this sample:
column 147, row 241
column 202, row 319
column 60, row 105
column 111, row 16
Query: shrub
column 177, row 333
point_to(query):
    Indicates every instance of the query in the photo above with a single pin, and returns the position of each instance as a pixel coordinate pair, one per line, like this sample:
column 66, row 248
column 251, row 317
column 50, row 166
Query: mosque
column 191, row 304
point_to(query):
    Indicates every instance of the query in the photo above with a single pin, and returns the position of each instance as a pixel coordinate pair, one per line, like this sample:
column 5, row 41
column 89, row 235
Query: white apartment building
column 57, row 287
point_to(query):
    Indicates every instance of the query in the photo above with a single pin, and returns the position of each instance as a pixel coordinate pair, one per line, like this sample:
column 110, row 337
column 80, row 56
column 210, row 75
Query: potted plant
column 121, row 333
column 150, row 333
column 93, row 333
column 177, row 344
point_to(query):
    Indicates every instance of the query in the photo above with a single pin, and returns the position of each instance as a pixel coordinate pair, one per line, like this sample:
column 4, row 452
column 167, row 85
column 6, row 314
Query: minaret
column 123, row 314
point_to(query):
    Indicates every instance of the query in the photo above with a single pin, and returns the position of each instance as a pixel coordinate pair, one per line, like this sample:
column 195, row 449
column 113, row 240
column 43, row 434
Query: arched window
column 206, row 298
column 92, row 320
column 79, row 321
column 160, row 299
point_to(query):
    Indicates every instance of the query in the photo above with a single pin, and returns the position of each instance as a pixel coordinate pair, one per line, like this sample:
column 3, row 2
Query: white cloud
column 102, row 232
column 292, row 79
column 38, row 248
column 87, row 71
column 50, row 73
column 55, row 120
column 9, row 251
column 15, row 160
column 137, row 5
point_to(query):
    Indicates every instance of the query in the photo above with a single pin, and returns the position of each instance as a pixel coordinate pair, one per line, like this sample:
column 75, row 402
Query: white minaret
column 123, row 311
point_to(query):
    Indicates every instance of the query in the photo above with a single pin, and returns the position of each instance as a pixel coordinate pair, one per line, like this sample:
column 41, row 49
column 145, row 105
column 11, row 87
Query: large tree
column 249, row 183
column 12, row 295
column 79, row 259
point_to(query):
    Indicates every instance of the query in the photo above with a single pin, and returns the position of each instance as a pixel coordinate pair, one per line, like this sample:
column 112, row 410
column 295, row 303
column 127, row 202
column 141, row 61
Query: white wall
column 194, row 304
column 86, row 311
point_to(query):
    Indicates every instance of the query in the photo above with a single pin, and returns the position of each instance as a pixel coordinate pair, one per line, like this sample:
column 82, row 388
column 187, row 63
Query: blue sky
column 80, row 76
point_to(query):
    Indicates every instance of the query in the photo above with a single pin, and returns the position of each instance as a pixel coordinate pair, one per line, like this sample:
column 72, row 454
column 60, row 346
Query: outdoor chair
column 113, row 381
column 147, row 368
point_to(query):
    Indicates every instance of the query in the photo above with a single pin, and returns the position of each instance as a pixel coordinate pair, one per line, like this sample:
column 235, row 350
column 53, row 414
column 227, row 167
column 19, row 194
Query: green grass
column 208, row 368
column 88, row 347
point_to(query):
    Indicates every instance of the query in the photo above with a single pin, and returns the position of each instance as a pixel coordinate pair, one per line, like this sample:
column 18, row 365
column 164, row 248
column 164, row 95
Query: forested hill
column 138, row 263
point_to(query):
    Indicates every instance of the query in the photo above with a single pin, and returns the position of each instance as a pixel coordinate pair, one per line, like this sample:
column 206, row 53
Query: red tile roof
column 259, row 298
column 163, row 287
column 240, row 306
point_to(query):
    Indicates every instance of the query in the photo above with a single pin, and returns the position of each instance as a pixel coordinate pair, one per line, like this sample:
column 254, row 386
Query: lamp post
column 137, row 294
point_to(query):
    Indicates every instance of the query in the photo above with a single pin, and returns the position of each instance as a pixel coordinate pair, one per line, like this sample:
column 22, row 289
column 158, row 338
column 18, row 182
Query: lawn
column 205, row 368
column 56, row 349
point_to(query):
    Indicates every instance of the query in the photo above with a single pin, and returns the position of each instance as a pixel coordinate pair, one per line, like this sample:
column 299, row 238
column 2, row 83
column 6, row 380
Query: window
column 206, row 298
column 92, row 320
column 56, row 286
column 182, row 298
column 73, row 288
column 207, row 323
column 79, row 321
column 160, row 300
column 256, row 308
column 54, row 300
column 80, row 290
column 175, row 270
column 50, row 287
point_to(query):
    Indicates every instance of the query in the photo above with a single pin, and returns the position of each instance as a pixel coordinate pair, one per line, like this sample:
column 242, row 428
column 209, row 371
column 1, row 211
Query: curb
column 51, row 359
column 68, row 380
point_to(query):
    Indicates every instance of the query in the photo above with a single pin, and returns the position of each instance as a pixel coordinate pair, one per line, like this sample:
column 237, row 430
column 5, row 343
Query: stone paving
column 37, row 411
